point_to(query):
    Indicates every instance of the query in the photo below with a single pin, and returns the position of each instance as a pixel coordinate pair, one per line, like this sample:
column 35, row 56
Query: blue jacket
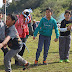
column 45, row 27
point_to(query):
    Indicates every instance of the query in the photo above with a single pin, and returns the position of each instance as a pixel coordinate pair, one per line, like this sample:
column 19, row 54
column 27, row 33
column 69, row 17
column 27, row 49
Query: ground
column 52, row 59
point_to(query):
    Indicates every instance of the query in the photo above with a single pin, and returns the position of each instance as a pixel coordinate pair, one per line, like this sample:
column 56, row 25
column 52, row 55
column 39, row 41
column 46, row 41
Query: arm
column 63, row 29
column 5, row 41
column 69, row 27
column 56, row 29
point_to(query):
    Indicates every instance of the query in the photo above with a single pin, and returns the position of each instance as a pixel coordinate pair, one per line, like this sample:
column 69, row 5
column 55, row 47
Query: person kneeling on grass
column 45, row 28
column 14, row 43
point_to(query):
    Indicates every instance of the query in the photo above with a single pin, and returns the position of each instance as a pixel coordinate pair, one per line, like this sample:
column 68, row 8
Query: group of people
column 15, row 34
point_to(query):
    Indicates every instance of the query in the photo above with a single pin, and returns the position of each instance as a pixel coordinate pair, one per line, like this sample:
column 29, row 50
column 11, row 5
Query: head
column 26, row 11
column 67, row 15
column 34, row 21
column 0, row 15
column 48, row 12
column 10, row 20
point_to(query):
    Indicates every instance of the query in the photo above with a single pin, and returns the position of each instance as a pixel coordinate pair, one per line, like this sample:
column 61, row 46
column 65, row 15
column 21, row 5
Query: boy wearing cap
column 45, row 28
column 2, row 33
column 65, row 38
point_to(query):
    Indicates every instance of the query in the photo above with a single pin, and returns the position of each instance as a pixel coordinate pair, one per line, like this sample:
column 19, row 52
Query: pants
column 64, row 47
column 22, row 51
column 9, row 55
column 46, row 41
column 30, row 29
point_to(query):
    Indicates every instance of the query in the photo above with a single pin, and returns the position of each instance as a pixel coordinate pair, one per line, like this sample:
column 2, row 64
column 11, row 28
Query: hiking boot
column 44, row 63
column 66, row 60
column 60, row 61
column 26, row 66
column 36, row 63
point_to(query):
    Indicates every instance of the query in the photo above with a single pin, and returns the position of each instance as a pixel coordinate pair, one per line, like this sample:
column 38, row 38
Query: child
column 2, row 33
column 23, row 31
column 34, row 25
column 45, row 28
column 65, row 38
column 14, row 43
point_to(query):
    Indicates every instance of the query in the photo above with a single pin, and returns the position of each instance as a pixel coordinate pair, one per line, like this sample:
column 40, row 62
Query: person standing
column 45, row 28
column 23, row 31
column 65, row 38
column 34, row 25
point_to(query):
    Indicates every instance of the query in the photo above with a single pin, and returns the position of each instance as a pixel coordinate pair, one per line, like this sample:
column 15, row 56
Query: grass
column 52, row 59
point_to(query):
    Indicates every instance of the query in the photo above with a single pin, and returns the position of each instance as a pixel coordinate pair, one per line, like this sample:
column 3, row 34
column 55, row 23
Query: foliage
column 39, row 6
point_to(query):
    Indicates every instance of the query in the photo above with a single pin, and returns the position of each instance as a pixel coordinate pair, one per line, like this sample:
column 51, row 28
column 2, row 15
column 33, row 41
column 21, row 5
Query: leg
column 46, row 47
column 40, row 44
column 22, row 51
column 8, row 57
column 20, row 59
column 62, row 41
column 23, row 48
column 4, row 50
column 67, row 47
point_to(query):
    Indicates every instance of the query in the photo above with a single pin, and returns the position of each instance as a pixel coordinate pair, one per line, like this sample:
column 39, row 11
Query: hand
column 33, row 38
column 1, row 45
column 55, row 39
column 69, row 27
column 5, row 46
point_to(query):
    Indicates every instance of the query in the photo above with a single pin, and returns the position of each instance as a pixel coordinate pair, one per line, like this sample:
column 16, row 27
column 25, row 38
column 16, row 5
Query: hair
column 12, row 17
column 67, row 11
column 49, row 9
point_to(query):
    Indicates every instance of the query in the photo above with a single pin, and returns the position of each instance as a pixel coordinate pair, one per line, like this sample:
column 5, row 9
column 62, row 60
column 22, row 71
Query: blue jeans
column 46, row 41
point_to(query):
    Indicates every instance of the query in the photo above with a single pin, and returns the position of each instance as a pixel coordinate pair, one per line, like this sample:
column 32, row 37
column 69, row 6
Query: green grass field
column 52, row 59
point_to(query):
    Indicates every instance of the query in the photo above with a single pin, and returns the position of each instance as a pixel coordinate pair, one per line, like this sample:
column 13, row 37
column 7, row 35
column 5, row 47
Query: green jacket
column 45, row 27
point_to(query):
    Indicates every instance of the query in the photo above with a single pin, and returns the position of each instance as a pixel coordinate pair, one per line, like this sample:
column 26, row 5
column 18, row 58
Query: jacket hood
column 46, row 17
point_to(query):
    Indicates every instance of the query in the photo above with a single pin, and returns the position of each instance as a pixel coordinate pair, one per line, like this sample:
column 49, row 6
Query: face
column 0, row 16
column 67, row 16
column 9, row 21
column 48, row 13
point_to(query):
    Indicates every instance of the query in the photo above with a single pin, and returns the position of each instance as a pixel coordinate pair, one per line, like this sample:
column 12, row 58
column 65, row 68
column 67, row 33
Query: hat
column 26, row 10
column 34, row 20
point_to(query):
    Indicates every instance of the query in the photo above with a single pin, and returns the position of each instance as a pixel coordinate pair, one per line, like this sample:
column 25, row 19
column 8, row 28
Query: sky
column 1, row 2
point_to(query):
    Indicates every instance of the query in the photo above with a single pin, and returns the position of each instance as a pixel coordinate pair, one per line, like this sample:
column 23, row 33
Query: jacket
column 22, row 27
column 45, row 27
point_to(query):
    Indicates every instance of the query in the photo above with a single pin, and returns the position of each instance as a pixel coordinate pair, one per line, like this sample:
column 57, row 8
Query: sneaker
column 26, row 66
column 60, row 61
column 44, row 63
column 35, row 63
column 67, row 60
